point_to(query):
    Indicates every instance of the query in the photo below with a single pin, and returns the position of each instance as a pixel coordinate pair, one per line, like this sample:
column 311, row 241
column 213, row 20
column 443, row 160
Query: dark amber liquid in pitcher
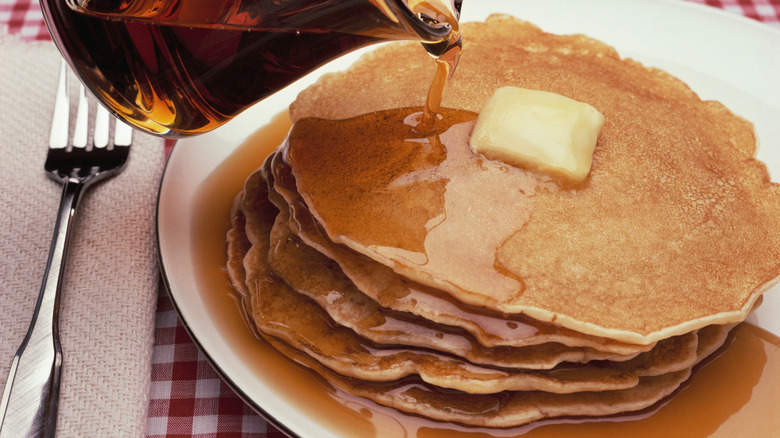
column 175, row 79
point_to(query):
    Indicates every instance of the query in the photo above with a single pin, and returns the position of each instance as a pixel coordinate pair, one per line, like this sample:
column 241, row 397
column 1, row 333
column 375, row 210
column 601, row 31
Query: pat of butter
column 540, row 130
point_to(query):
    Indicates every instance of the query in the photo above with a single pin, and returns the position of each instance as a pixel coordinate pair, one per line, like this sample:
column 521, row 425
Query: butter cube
column 539, row 130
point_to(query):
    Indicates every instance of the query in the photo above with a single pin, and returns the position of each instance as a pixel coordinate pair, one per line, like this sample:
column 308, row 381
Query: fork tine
column 82, row 120
column 123, row 134
column 58, row 136
column 102, row 123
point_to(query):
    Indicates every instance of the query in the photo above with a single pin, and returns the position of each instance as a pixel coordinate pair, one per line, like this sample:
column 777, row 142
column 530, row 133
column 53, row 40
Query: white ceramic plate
column 720, row 55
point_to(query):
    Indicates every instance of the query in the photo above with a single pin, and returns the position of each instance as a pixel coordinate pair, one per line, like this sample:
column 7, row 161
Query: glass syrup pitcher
column 181, row 67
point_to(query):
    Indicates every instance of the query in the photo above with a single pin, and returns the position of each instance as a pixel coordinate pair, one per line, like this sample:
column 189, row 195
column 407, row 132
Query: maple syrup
column 447, row 54
column 177, row 74
column 734, row 393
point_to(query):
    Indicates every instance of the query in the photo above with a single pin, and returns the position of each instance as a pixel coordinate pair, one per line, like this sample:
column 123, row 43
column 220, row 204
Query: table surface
column 188, row 398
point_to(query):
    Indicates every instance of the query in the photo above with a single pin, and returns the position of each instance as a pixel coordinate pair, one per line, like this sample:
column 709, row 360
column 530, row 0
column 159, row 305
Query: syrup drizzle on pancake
column 432, row 187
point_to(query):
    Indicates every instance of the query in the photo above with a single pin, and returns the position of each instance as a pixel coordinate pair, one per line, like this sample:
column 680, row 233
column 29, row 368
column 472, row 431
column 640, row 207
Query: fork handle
column 31, row 395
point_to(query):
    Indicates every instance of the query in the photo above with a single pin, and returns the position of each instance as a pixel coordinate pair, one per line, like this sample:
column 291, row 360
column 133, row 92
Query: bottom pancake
column 506, row 409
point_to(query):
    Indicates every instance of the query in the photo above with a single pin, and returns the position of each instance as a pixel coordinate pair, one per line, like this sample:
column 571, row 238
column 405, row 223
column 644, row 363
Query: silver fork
column 31, row 394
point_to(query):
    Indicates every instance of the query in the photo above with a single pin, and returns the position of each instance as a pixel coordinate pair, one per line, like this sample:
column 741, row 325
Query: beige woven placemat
column 110, row 287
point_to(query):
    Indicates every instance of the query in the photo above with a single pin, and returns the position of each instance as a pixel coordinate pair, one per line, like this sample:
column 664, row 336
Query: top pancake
column 676, row 227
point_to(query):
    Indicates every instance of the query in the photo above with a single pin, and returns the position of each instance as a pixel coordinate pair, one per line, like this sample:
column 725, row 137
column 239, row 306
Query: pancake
column 332, row 290
column 280, row 312
column 493, row 410
column 392, row 291
column 507, row 409
column 349, row 309
column 643, row 250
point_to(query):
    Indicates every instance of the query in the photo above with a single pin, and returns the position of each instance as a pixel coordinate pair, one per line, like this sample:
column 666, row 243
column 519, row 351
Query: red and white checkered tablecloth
column 188, row 398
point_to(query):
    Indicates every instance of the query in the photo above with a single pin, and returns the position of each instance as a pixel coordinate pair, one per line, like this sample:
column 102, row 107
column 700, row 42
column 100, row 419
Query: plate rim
column 225, row 376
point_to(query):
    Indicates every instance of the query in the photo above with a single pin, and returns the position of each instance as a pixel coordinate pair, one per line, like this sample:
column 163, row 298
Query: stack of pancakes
column 406, row 269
